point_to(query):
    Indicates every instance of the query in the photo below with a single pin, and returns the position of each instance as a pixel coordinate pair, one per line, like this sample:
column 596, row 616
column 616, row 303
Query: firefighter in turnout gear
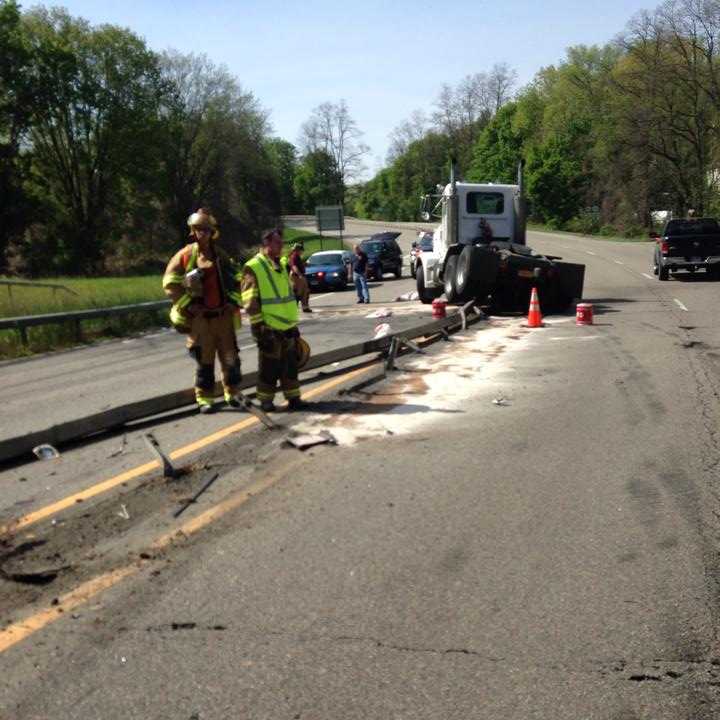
column 269, row 300
column 202, row 284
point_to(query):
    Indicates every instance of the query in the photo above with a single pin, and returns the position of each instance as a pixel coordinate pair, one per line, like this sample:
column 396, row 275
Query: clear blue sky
column 385, row 57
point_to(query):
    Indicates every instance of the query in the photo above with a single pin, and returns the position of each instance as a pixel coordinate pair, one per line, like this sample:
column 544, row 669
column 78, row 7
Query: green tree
column 214, row 151
column 96, row 99
column 283, row 159
column 16, row 102
column 317, row 181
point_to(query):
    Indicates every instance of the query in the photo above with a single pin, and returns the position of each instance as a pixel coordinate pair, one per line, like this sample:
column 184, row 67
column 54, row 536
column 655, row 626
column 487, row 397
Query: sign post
column 330, row 217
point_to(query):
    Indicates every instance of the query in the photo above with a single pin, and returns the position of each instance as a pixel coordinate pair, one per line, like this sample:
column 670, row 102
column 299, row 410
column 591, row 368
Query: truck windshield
column 485, row 203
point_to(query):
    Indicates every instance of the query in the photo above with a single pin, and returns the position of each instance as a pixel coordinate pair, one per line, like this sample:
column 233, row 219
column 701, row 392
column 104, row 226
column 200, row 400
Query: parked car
column 424, row 242
column 329, row 270
column 384, row 254
column 691, row 244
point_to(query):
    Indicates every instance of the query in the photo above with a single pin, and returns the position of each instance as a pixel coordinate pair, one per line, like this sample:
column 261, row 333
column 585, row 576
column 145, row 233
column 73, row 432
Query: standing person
column 360, row 264
column 269, row 301
column 296, row 267
column 200, row 281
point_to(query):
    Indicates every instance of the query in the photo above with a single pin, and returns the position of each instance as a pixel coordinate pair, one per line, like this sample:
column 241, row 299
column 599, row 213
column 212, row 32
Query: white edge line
column 320, row 297
column 680, row 305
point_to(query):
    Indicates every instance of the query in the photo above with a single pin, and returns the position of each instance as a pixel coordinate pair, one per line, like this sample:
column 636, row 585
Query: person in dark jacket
column 360, row 266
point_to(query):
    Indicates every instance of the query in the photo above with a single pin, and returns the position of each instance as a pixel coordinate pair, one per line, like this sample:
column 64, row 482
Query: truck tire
column 663, row 273
column 450, row 279
column 425, row 295
column 476, row 272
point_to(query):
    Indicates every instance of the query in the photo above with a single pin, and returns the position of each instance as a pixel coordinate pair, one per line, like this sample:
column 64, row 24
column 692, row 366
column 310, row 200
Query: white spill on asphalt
column 432, row 388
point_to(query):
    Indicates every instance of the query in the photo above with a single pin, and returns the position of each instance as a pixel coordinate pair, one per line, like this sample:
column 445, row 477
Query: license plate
column 526, row 273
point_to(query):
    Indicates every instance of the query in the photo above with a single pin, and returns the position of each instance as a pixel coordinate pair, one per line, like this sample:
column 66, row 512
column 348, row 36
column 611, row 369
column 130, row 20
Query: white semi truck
column 479, row 251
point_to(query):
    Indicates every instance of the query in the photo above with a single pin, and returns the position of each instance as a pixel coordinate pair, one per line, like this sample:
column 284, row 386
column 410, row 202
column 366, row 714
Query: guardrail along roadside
column 76, row 317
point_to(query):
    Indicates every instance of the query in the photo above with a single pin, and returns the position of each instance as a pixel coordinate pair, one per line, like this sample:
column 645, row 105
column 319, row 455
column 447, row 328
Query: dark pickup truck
column 691, row 245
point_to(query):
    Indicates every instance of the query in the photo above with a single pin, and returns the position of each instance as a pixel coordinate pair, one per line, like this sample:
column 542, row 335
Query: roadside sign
column 329, row 217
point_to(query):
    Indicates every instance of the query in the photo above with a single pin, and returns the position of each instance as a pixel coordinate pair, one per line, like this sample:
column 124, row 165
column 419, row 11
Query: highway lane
column 553, row 556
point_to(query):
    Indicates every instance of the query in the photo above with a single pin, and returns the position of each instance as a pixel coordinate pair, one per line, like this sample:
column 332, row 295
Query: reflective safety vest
column 177, row 317
column 278, row 305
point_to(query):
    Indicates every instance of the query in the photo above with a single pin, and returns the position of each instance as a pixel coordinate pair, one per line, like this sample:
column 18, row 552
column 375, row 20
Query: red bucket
column 584, row 314
column 438, row 308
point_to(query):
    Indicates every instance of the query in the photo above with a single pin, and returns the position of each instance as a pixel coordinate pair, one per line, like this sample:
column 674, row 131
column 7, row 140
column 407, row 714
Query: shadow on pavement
column 360, row 407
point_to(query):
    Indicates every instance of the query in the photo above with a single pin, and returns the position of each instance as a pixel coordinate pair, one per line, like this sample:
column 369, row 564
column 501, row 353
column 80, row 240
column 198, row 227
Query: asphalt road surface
column 518, row 524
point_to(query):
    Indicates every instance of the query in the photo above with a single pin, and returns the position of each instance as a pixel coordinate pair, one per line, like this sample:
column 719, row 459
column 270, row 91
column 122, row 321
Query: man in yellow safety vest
column 269, row 300
column 202, row 284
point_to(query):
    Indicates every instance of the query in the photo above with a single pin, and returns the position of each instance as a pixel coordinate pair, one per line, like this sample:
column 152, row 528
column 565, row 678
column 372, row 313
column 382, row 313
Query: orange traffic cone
column 534, row 315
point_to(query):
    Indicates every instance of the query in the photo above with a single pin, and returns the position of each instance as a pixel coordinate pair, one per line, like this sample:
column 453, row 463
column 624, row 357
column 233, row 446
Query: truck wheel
column 398, row 272
column 425, row 295
column 476, row 272
column 450, row 279
column 663, row 273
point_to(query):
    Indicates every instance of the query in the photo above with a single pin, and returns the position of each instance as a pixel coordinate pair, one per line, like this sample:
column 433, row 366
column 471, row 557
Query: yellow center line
column 106, row 485
column 22, row 629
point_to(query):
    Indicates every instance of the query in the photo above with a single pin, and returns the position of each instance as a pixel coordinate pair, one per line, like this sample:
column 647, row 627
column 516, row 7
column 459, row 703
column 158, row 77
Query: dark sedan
column 328, row 270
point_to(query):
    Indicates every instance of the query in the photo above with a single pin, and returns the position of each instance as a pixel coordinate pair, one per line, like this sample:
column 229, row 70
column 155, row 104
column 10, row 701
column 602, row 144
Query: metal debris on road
column 303, row 442
column 380, row 313
column 121, row 449
column 45, row 452
column 189, row 501
column 169, row 470
column 500, row 401
column 253, row 409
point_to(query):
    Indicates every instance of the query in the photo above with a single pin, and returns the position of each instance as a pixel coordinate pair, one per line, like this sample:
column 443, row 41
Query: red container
column 438, row 308
column 584, row 314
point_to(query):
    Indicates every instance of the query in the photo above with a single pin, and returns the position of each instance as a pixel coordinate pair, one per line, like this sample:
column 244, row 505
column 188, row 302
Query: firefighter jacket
column 267, row 294
column 184, row 262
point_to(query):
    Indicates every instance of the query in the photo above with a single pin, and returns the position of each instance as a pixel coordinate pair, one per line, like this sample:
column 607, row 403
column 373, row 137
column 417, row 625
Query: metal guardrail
column 74, row 430
column 31, row 283
column 22, row 323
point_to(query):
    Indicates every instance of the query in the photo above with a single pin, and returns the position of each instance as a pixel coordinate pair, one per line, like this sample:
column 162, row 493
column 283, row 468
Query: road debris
column 381, row 331
column 380, row 313
column 45, row 452
column 169, row 470
column 396, row 344
column 501, row 401
column 124, row 514
column 189, row 501
column 253, row 409
column 121, row 449
column 413, row 295
column 183, row 626
column 303, row 442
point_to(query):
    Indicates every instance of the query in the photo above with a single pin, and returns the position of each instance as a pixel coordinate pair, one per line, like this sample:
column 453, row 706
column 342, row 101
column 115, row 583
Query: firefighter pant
column 213, row 333
column 301, row 289
column 277, row 361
